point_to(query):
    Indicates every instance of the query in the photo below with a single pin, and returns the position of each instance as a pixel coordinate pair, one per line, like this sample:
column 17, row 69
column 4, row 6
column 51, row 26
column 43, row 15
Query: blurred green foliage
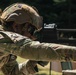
column 61, row 12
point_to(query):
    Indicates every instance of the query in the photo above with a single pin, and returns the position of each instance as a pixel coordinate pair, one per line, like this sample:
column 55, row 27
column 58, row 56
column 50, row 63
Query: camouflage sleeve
column 9, row 66
column 46, row 51
column 35, row 50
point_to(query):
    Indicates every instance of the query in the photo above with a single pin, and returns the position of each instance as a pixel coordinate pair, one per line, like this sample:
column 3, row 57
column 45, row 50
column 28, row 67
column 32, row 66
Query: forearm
column 35, row 50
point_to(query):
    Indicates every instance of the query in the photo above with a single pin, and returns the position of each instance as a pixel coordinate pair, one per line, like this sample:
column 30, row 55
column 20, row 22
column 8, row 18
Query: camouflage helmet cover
column 21, row 13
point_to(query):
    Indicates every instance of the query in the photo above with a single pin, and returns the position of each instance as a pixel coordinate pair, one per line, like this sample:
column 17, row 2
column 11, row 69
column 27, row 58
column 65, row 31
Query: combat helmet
column 22, row 15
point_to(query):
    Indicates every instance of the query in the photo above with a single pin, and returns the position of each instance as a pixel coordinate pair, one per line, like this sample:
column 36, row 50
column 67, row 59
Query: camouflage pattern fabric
column 26, row 48
column 35, row 50
column 10, row 66
column 22, row 13
column 27, row 67
column 22, row 18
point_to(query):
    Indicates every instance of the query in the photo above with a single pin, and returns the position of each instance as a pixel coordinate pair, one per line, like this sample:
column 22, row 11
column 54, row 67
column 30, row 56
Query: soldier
column 22, row 19
column 25, row 20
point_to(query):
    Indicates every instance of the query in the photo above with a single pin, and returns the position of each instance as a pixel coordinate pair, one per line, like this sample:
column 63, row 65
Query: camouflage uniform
column 10, row 66
column 34, row 50
column 22, row 13
column 22, row 45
